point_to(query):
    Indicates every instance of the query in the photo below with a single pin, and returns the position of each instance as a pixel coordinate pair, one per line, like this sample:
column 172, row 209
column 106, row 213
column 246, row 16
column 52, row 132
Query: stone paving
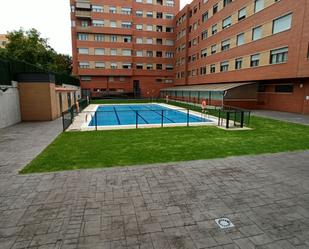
column 168, row 206
column 284, row 116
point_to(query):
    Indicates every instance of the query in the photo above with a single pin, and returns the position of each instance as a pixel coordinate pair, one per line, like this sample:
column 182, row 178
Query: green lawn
column 98, row 149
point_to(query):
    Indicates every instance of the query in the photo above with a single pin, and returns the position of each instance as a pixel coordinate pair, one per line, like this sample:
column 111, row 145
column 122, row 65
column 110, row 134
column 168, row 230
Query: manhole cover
column 224, row 223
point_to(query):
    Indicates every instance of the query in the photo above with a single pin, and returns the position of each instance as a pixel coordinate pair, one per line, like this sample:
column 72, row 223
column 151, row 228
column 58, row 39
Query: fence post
column 63, row 121
column 136, row 119
column 242, row 119
column 219, row 118
column 96, row 121
column 227, row 119
column 161, row 118
column 188, row 117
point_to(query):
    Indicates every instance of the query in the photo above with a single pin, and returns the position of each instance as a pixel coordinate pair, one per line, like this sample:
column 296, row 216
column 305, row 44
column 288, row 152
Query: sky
column 50, row 17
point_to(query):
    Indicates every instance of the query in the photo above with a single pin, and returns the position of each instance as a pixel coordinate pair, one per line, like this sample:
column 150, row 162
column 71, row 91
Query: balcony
column 83, row 4
column 83, row 14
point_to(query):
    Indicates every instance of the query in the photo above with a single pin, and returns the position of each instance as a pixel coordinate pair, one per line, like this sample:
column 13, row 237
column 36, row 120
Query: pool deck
column 81, row 122
column 163, row 206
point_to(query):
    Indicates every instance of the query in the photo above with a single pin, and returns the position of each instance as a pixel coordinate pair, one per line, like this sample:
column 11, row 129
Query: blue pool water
column 142, row 113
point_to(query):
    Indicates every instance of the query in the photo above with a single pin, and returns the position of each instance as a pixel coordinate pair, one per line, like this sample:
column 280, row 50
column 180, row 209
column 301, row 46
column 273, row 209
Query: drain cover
column 224, row 223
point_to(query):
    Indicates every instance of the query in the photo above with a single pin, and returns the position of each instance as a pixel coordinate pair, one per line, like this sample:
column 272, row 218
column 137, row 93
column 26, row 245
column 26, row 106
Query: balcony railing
column 83, row 13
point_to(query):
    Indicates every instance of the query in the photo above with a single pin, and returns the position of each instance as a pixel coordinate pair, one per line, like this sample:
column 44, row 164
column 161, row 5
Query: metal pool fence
column 144, row 118
column 68, row 116
column 230, row 116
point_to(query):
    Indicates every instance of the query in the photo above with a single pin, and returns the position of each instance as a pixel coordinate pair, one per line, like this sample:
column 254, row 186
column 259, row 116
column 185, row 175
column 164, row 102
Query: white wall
column 9, row 106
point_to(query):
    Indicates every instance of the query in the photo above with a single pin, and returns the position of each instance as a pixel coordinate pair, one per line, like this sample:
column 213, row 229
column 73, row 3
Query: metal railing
column 96, row 120
column 229, row 116
column 69, row 115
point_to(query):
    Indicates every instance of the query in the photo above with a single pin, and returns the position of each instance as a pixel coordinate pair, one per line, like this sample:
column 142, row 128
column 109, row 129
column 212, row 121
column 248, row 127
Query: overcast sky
column 50, row 17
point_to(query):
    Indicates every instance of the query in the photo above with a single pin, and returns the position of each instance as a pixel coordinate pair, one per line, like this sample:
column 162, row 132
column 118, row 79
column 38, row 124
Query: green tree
column 29, row 46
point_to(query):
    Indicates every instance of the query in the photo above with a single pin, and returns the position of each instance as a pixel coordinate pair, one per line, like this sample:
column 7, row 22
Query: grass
column 99, row 149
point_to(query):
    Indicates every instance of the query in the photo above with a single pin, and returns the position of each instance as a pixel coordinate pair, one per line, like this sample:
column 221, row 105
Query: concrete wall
column 9, row 106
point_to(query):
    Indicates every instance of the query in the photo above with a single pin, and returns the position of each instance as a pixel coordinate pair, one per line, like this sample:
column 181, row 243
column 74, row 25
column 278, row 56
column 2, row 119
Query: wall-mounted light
column 301, row 85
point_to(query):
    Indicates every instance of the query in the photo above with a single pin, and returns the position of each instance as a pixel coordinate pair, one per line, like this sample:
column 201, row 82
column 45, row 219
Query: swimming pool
column 143, row 115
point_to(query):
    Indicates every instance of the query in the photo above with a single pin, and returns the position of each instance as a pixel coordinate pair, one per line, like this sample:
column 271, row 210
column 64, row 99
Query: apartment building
column 249, row 53
column 123, row 47
column 3, row 40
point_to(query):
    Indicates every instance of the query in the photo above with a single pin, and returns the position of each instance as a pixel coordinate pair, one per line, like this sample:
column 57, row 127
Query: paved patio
column 170, row 206
column 284, row 116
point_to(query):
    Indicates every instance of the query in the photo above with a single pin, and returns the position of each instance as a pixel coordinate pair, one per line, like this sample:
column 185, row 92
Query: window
column 149, row 53
column 169, row 16
column 98, row 23
column 149, row 41
column 169, row 55
column 203, row 70
column 126, row 52
column 114, row 65
column 126, row 65
column 111, row 79
column 113, row 24
column 139, row 1
column 213, row 49
column 204, row 52
column 127, row 39
column 149, row 1
column 279, row 55
column 159, row 15
column 83, row 51
column 149, row 66
column 240, row 40
column 225, row 45
column 205, row 16
column 139, row 53
column 215, row 9
column 224, row 66
column 149, row 28
column 112, row 10
column 139, row 66
column 255, row 60
column 99, row 51
column 204, row 34
column 126, row 25
column 99, row 65
column 159, row 54
column 82, row 37
column 99, row 37
column 169, row 67
column 169, row 42
column 288, row 88
column 113, row 51
column 257, row 33
column 159, row 41
column 212, row 68
column 159, row 66
column 84, row 24
column 169, row 3
column 149, row 14
column 84, row 64
column 139, row 40
column 169, row 29
column 214, row 29
column 113, row 38
column 85, row 78
column 122, row 79
column 126, row 11
column 227, row 22
column 97, row 8
column 242, row 13
column 238, row 63
column 139, row 26
column 226, row 2
column 139, row 13
column 258, row 5
column 282, row 23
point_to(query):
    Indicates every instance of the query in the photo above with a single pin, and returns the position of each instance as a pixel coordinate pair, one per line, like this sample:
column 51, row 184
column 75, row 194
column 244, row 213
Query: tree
column 29, row 46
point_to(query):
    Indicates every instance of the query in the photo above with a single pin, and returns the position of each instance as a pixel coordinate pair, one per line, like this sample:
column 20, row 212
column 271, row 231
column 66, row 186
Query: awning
column 219, row 87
